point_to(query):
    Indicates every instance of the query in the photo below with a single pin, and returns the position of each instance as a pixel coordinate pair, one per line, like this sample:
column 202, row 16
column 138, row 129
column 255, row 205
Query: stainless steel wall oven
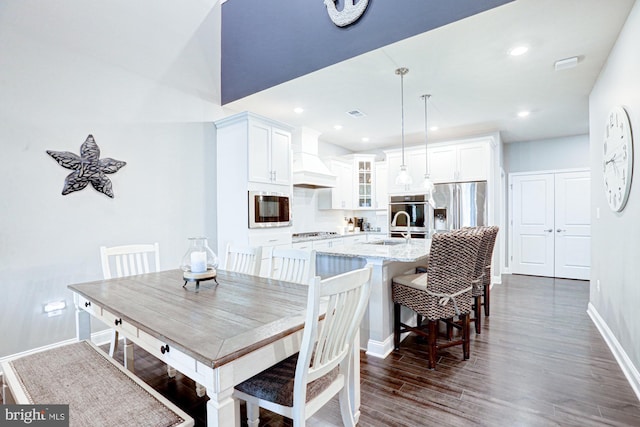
column 418, row 209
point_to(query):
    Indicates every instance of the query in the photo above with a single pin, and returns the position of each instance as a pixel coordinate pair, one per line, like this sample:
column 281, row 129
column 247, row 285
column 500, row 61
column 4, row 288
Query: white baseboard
column 98, row 338
column 629, row 370
column 380, row 349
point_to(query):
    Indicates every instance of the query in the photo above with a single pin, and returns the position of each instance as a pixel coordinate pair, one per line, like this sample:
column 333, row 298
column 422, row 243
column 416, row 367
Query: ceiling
column 476, row 87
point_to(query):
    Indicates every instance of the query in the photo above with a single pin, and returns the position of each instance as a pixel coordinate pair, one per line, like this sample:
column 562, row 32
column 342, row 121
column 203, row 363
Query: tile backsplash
column 307, row 217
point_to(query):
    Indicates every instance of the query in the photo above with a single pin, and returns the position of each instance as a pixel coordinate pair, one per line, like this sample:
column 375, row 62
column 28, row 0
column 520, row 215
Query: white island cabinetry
column 387, row 261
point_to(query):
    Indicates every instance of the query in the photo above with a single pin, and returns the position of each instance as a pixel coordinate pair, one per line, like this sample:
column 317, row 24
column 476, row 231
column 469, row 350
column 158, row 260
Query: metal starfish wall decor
column 87, row 168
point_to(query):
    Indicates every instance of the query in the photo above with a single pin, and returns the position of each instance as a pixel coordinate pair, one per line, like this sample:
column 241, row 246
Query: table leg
column 222, row 409
column 83, row 324
column 200, row 389
column 128, row 355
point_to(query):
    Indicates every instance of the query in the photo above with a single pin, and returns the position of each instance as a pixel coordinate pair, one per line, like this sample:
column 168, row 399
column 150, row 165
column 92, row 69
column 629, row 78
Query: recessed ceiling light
column 434, row 128
column 365, row 139
column 337, row 127
column 298, row 110
column 518, row 50
column 524, row 113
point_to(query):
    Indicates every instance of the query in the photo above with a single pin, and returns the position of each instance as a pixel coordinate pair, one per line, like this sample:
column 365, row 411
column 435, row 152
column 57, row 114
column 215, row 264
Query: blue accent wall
column 268, row 42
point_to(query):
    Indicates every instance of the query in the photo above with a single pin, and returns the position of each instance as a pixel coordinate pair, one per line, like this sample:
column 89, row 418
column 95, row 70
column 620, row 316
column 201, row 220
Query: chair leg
column 449, row 324
column 113, row 347
column 345, row 407
column 419, row 320
column 487, row 295
column 396, row 326
column 465, row 336
column 477, row 311
column 253, row 415
column 433, row 343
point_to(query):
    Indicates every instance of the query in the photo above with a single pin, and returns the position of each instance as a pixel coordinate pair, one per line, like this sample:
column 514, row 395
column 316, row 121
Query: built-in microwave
column 269, row 209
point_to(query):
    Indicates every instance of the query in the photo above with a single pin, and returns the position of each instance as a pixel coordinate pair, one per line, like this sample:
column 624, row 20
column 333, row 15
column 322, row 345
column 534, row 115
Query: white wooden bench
column 98, row 390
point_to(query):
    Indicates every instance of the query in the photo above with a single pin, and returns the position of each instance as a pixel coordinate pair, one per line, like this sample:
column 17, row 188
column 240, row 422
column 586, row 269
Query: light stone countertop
column 416, row 250
column 338, row 236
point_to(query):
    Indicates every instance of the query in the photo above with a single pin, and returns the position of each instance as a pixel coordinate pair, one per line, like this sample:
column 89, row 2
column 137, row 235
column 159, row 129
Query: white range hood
column 308, row 170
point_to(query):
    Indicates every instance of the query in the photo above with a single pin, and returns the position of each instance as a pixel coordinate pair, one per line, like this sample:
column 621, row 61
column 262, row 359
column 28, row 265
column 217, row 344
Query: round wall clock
column 617, row 160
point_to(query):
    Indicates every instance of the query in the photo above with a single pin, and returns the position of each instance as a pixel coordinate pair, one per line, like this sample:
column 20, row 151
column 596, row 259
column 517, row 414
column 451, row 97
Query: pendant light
column 427, row 185
column 403, row 177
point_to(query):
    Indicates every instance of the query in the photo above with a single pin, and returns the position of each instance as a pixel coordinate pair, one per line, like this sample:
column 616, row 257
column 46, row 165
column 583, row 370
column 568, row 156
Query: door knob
column 549, row 230
column 559, row 230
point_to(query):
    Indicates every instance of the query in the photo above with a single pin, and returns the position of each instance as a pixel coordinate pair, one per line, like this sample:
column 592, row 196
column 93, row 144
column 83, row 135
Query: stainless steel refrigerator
column 460, row 204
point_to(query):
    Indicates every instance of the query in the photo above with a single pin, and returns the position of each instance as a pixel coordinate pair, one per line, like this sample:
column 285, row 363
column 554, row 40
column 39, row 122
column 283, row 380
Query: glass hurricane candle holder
column 199, row 257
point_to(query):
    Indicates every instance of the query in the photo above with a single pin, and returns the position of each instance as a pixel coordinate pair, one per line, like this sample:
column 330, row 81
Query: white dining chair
column 300, row 385
column 243, row 259
column 129, row 260
column 292, row 265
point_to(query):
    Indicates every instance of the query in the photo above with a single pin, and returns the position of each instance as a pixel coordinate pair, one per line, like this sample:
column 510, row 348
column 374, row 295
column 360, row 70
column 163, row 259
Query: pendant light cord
column 426, row 135
column 402, row 71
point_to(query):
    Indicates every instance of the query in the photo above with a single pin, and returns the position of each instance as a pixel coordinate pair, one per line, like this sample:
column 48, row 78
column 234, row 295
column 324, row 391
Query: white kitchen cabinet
column 353, row 239
column 268, row 241
column 448, row 162
column 304, row 246
column 356, row 184
column 322, row 244
column 253, row 153
column 415, row 162
column 341, row 196
column 381, row 191
column 364, row 181
column 269, row 153
column 459, row 162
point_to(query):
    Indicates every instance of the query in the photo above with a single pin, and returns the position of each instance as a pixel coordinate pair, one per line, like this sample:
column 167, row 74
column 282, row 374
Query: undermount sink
column 388, row 242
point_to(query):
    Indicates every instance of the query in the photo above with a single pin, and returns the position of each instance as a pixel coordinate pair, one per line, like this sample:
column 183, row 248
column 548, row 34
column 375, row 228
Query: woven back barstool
column 487, row 273
column 443, row 292
column 486, row 247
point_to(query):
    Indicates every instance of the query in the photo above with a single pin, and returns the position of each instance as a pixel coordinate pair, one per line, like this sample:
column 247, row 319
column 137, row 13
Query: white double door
column 551, row 224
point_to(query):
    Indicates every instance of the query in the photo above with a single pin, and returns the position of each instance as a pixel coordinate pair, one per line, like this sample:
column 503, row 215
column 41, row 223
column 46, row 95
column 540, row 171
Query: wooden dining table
column 218, row 334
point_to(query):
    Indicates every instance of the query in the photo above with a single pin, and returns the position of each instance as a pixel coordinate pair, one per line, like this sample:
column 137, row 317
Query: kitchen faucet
column 393, row 224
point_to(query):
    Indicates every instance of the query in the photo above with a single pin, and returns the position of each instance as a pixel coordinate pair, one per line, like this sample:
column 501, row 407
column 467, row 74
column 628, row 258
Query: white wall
column 616, row 236
column 547, row 154
column 143, row 78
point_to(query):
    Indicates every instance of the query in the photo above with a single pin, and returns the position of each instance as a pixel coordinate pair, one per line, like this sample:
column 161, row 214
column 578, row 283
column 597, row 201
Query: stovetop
column 314, row 234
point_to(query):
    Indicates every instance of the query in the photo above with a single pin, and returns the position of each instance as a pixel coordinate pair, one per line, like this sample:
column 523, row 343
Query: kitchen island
column 388, row 258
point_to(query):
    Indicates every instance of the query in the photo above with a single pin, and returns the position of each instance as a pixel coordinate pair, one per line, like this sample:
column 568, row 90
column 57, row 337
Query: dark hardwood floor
column 539, row 361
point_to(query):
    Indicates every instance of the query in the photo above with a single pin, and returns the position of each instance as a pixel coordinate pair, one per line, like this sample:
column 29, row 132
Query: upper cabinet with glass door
column 365, row 183
column 364, row 180
column 356, row 184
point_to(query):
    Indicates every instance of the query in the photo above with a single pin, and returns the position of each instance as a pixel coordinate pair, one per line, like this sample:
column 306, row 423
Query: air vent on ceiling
column 356, row 114
column 563, row 64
